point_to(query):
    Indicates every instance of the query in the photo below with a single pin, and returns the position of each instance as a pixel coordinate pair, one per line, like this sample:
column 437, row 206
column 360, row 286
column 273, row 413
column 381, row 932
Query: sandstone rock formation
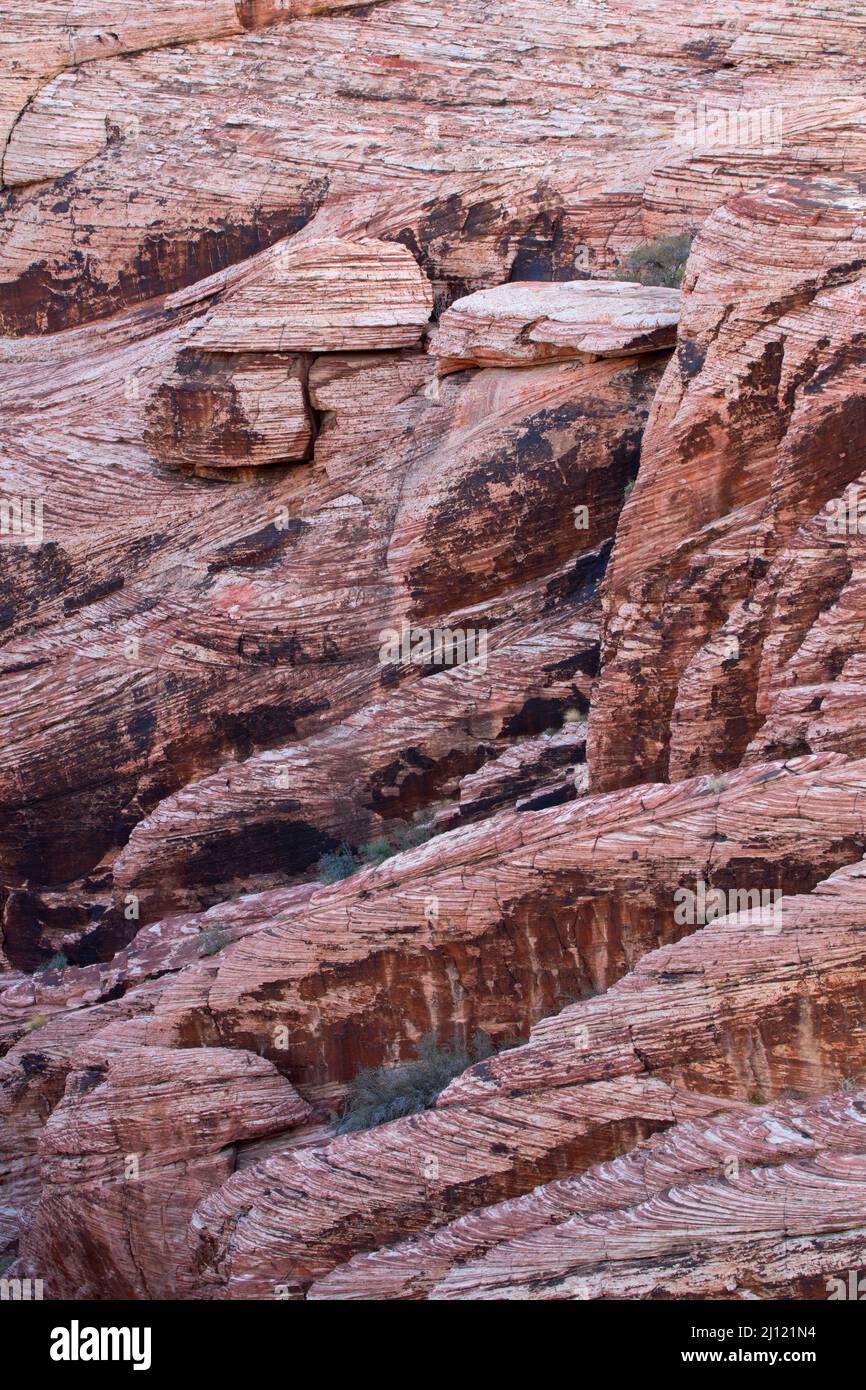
column 231, row 411
column 729, row 591
column 535, row 322
column 413, row 625
column 760, row 1202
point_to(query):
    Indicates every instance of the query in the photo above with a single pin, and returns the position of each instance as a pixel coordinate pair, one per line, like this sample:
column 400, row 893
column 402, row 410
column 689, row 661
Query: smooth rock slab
column 531, row 321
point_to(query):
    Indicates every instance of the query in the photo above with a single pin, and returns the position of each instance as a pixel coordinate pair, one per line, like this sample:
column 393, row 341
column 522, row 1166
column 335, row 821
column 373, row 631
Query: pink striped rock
column 527, row 321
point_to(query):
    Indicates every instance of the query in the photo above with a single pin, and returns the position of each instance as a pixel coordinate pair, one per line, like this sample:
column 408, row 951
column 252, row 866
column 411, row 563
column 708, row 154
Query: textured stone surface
column 393, row 759
column 525, row 322
column 498, row 146
column 231, row 411
column 763, row 1202
column 717, row 1015
column 317, row 344
column 215, row 623
column 321, row 296
column 141, row 1135
column 494, row 925
column 730, row 607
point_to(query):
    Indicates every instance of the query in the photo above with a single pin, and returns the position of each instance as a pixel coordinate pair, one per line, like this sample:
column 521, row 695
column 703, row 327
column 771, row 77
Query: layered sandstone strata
column 492, row 145
column 318, row 344
column 759, row 1202
column 535, row 322
column 732, row 597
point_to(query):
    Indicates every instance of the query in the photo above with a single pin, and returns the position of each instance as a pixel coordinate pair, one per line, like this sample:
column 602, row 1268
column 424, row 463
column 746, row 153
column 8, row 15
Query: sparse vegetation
column 380, row 1094
column 397, row 839
column 58, row 961
column 338, row 864
column 212, row 940
column 343, row 862
column 757, row 1098
column 626, row 492
column 659, row 262
column 718, row 783
column 36, row 1021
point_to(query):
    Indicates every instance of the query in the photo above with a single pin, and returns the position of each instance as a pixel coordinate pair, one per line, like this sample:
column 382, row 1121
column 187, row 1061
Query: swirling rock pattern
column 323, row 340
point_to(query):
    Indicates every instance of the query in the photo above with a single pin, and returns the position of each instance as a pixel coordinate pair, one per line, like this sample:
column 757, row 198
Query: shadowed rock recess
column 433, row 568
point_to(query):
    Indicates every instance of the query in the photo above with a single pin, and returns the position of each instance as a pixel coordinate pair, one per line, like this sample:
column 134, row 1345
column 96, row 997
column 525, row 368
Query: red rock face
column 221, row 411
column 430, row 610
column 757, row 431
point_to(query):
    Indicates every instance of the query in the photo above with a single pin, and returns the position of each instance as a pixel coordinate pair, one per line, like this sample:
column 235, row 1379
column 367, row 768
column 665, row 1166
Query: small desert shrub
column 626, row 492
column 660, row 262
column 400, row 835
column 397, row 839
column 213, row 939
column 718, row 783
column 339, row 863
column 342, row 862
column 379, row 1094
column 757, row 1098
column 58, row 961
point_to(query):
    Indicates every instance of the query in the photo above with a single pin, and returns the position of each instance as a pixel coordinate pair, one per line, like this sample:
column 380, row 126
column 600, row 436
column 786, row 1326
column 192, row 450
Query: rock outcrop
column 762, row 1202
column 231, row 411
column 732, row 592
column 720, row 1014
column 528, row 322
column 121, row 1175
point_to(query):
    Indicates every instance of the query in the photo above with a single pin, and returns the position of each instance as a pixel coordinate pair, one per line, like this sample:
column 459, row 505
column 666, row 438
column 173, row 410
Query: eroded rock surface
column 762, row 1202
column 732, row 595
column 535, row 322
column 352, row 496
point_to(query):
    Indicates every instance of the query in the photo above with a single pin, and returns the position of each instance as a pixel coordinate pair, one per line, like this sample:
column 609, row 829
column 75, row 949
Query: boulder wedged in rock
column 529, row 321
column 328, row 295
column 231, row 411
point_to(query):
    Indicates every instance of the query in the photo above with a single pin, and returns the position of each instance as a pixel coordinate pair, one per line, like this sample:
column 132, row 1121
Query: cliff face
column 426, row 611
column 730, row 598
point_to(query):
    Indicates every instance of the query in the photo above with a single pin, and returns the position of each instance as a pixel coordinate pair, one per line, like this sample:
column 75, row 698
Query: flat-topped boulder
column 329, row 295
column 532, row 321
